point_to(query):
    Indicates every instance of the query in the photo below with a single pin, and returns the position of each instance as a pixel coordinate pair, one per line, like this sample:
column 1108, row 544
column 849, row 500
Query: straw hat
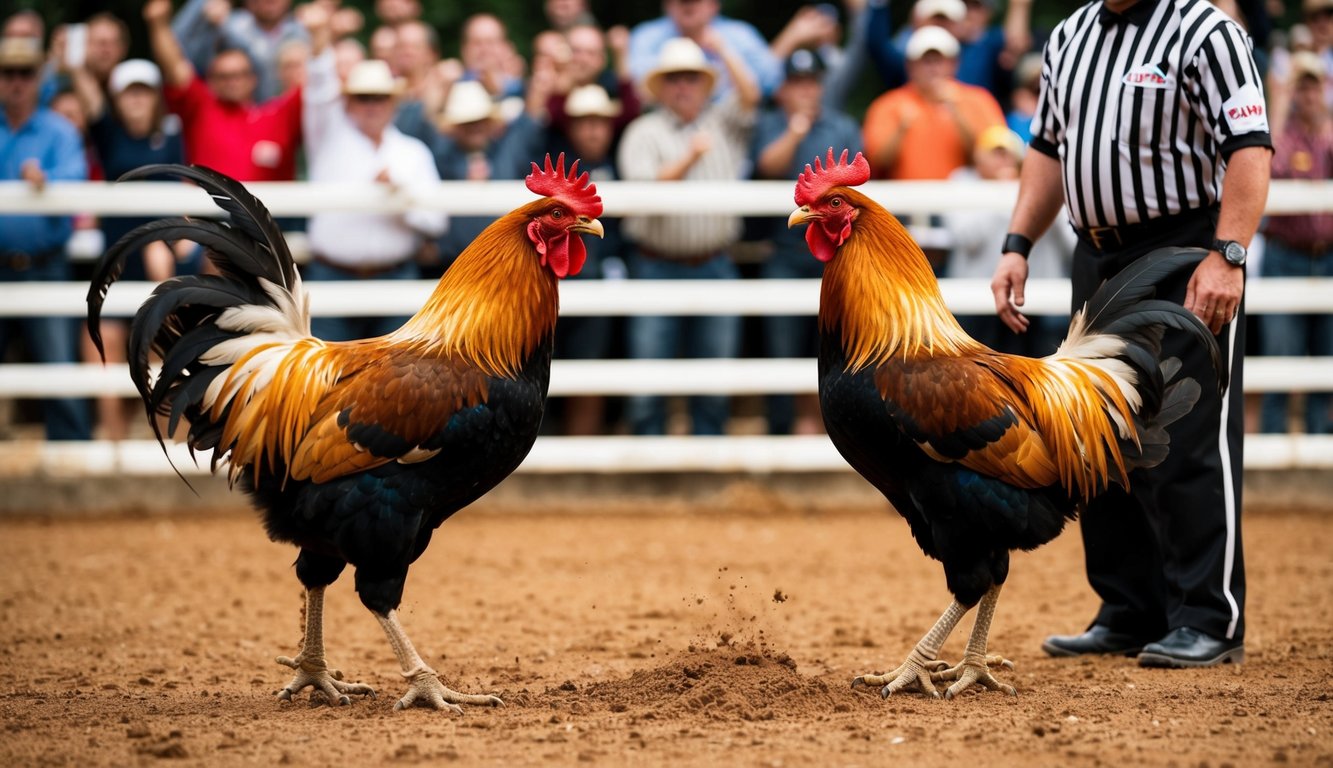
column 1000, row 137
column 20, row 52
column 372, row 77
column 927, row 39
column 132, row 72
column 591, row 101
column 468, row 102
column 679, row 54
column 1307, row 64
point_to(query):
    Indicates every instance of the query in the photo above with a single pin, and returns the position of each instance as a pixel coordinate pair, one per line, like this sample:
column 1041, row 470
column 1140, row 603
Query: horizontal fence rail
column 621, row 198
column 601, row 297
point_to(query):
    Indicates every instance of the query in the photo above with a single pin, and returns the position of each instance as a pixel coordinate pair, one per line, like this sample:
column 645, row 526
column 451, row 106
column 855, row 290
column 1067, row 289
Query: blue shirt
column 56, row 145
column 647, row 38
column 201, row 41
column 831, row 129
column 120, row 153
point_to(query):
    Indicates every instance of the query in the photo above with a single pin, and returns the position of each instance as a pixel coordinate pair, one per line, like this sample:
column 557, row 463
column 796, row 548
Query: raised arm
column 176, row 68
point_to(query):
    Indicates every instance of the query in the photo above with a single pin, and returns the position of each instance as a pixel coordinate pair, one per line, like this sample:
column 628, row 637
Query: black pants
column 1168, row 553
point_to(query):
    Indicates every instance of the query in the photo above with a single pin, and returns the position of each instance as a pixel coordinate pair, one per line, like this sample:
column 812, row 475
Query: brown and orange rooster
column 356, row 451
column 981, row 452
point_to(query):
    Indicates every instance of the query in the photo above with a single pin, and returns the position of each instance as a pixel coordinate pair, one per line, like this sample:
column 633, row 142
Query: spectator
column 1300, row 245
column 39, row 146
column 927, row 128
column 564, row 15
column 986, row 53
column 1023, row 99
column 690, row 139
column 25, row 23
column 488, row 56
column 977, row 236
column 587, row 65
column 293, row 58
column 816, row 27
column 786, row 137
column 258, row 27
column 476, row 144
column 223, row 127
column 694, row 19
column 347, row 52
column 129, row 130
column 415, row 56
column 391, row 13
column 350, row 138
column 383, row 41
column 590, row 134
column 107, row 45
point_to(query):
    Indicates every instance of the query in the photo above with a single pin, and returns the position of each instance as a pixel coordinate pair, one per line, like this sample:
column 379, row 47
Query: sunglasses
column 682, row 77
column 369, row 98
column 18, row 73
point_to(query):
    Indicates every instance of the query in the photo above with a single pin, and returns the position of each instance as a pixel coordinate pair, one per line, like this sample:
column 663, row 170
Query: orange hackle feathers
column 883, row 300
column 812, row 184
column 573, row 190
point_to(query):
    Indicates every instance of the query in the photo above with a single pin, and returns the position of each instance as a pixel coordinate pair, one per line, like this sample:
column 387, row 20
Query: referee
column 1151, row 127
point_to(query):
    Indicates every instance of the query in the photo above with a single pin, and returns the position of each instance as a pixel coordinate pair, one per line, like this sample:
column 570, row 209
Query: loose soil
column 643, row 637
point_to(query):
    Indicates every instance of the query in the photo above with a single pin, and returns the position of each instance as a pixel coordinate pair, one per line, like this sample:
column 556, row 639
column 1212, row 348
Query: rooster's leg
column 311, row 669
column 975, row 666
column 426, row 689
column 916, row 671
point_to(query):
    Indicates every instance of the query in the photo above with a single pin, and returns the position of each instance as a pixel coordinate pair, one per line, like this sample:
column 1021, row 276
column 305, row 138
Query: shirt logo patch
column 1245, row 111
column 1148, row 76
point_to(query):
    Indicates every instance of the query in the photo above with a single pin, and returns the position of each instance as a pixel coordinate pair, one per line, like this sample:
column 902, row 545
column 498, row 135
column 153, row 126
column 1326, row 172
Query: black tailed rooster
column 355, row 452
column 981, row 452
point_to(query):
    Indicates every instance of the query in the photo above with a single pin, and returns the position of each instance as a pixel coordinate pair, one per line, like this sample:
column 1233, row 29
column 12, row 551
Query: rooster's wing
column 389, row 408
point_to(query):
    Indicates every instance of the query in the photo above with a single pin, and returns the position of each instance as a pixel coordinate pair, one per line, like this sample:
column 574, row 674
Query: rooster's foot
column 975, row 669
column 428, row 691
column 313, row 672
column 913, row 674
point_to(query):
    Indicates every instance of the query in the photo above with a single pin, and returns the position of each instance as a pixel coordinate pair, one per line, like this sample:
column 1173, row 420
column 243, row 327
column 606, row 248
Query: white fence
column 622, row 298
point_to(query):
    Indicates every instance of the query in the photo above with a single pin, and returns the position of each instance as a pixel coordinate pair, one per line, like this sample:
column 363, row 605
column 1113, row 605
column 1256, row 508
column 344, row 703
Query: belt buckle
column 1095, row 234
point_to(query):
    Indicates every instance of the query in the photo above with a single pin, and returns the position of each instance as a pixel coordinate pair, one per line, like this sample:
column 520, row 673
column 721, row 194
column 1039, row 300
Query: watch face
column 1234, row 253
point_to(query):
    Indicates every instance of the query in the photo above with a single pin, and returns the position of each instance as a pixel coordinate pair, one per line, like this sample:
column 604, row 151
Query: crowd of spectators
column 265, row 90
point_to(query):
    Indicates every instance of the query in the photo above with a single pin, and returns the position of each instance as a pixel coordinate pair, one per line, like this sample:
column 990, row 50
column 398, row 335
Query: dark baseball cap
column 804, row 62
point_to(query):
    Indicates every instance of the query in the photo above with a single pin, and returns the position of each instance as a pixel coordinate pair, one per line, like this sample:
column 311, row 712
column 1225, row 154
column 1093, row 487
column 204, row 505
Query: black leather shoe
column 1188, row 647
column 1098, row 639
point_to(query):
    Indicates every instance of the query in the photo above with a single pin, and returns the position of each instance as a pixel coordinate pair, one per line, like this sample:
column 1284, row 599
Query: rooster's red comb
column 812, row 184
column 573, row 190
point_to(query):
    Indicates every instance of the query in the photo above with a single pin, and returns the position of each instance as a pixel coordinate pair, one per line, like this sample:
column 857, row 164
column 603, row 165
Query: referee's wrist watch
column 1232, row 251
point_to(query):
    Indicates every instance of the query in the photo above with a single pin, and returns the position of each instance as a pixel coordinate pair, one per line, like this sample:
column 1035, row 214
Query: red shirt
column 1299, row 153
column 249, row 142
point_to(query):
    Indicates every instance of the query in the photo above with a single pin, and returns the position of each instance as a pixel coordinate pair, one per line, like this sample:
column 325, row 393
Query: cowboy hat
column 679, row 54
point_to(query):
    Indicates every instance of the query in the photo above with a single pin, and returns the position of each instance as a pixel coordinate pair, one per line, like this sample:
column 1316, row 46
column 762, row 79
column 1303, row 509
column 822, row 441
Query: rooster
column 355, row 452
column 981, row 452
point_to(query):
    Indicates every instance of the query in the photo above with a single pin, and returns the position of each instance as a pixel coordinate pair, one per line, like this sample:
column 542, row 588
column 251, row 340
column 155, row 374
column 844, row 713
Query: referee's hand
column 1011, row 276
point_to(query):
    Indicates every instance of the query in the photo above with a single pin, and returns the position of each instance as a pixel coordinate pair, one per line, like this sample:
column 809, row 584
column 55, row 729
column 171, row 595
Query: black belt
column 1110, row 239
column 20, row 261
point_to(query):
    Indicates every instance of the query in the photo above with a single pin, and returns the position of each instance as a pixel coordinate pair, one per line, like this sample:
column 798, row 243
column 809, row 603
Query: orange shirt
column 932, row 148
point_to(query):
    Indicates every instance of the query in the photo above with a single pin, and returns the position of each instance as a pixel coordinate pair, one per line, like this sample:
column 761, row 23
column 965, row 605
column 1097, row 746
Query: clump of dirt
column 730, row 682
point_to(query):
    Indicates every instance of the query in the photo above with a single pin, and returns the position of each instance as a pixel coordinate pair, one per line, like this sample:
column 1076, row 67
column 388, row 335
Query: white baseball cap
column 931, row 38
column 132, row 71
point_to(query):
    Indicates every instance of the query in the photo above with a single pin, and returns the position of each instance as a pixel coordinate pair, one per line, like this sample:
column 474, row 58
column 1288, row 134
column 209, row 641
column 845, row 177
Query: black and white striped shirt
column 1143, row 108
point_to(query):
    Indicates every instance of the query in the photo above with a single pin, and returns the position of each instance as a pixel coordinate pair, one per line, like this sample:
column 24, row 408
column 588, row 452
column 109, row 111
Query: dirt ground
column 650, row 637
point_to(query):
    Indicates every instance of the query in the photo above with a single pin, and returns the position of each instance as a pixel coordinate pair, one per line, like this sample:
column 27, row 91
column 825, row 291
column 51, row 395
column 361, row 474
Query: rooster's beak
column 799, row 216
column 588, row 226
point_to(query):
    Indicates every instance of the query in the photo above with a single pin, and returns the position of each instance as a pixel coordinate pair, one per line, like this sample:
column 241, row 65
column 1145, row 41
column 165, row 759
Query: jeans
column 349, row 328
column 1294, row 336
column 50, row 340
column 789, row 336
column 664, row 337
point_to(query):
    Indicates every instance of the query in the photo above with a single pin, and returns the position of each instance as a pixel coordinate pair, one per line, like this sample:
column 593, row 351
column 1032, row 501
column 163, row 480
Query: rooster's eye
column 557, row 214
column 835, row 202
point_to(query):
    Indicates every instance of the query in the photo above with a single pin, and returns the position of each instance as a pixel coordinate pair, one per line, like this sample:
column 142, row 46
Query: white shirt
column 337, row 151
